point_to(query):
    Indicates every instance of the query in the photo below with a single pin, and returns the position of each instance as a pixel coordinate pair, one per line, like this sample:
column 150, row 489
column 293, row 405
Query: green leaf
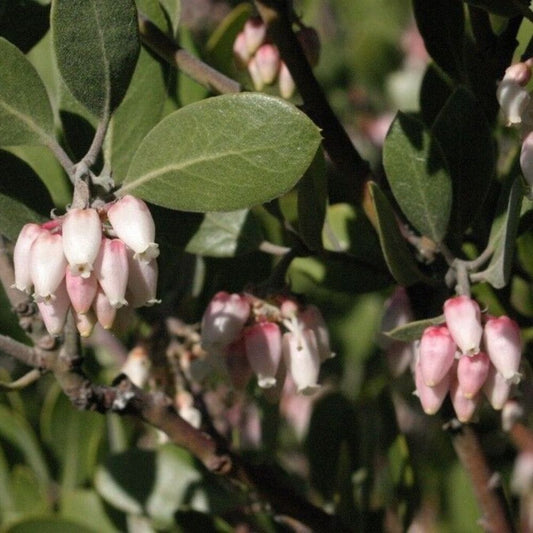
column 442, row 26
column 86, row 507
column 503, row 235
column 226, row 234
column 49, row 525
column 173, row 11
column 23, row 23
column 413, row 331
column 395, row 249
column 465, row 137
column 25, row 112
column 222, row 154
column 435, row 90
column 13, row 215
column 18, row 432
column 312, row 199
column 29, row 495
column 96, row 44
column 418, row 175
column 503, row 8
column 139, row 112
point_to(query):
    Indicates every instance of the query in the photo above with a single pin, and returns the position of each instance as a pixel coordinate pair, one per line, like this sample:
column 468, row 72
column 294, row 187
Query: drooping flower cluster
column 267, row 339
column 254, row 52
column 468, row 355
column 517, row 106
column 95, row 260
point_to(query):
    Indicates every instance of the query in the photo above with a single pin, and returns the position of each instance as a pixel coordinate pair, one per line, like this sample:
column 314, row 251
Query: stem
column 491, row 501
column 27, row 379
column 273, row 249
column 200, row 72
column 22, row 352
column 98, row 140
column 61, row 156
column 354, row 170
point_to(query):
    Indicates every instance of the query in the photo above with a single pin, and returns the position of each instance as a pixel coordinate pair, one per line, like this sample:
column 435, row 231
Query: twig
column 27, row 379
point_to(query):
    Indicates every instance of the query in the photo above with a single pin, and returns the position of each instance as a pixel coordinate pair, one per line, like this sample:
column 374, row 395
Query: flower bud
column 504, row 346
column 496, row 389
column 224, row 319
column 300, row 353
column 463, row 319
column 472, row 372
column 133, row 223
column 85, row 322
column 513, row 100
column 463, row 406
column 142, row 282
column 255, row 74
column 54, row 311
column 285, row 82
column 240, row 51
column 519, row 73
column 237, row 364
column 268, row 61
column 111, row 268
column 437, row 354
column 431, row 398
column 81, row 291
column 82, row 234
column 312, row 319
column 522, row 476
column 137, row 366
column 47, row 265
column 105, row 312
column 526, row 158
column 263, row 349
column 255, row 33
column 21, row 256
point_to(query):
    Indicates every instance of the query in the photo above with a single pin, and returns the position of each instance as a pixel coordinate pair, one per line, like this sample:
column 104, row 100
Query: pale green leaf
column 413, row 330
column 225, row 153
column 13, row 215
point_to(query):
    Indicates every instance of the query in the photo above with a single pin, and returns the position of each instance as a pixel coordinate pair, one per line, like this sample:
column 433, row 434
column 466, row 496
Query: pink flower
column 513, row 100
column 431, row 398
column 285, row 82
column 54, row 311
column 255, row 74
column 504, row 346
column 142, row 282
column 526, row 158
column 263, row 349
column 312, row 319
column 21, row 256
column 82, row 234
column 224, row 319
column 105, row 312
column 472, row 372
column 85, row 323
column 133, row 224
column 81, row 291
column 237, row 364
column 463, row 319
column 496, row 389
column 437, row 354
column 464, row 406
column 47, row 265
column 268, row 62
column 240, row 51
column 112, row 271
column 255, row 33
column 300, row 353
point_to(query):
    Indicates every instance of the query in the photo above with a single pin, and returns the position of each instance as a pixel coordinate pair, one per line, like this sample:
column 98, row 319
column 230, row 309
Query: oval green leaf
column 26, row 115
column 96, row 44
column 418, row 175
column 222, row 154
column 413, row 331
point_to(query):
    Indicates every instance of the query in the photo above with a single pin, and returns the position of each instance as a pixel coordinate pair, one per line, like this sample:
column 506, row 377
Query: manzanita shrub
column 266, row 266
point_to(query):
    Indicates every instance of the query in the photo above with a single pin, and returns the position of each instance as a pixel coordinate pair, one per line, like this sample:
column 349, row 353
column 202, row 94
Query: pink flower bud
column 300, row 353
column 310, row 43
column 54, row 311
column 522, row 476
column 519, row 73
column 85, row 322
column 263, row 349
column 255, row 74
column 312, row 319
column 142, row 282
column 224, row 319
column 504, row 346
column 240, row 51
column 526, row 158
column 267, row 59
column 21, row 256
column 472, row 372
column 513, row 100
column 255, row 33
column 431, row 398
column 285, row 82
column 463, row 406
column 237, row 364
column 105, row 312
column 496, row 389
column 437, row 354
column 463, row 319
column 82, row 234
column 133, row 223
column 81, row 291
column 111, row 268
column 47, row 265
column 137, row 366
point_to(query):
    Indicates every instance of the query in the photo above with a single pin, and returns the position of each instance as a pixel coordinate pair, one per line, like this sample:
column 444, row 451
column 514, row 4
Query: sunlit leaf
column 49, row 525
column 224, row 153
column 85, row 507
column 96, row 44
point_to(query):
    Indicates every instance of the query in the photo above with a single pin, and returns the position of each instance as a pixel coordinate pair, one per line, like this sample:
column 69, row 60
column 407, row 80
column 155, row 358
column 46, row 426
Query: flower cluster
column 517, row 106
column 95, row 260
column 268, row 339
column 466, row 356
column 252, row 51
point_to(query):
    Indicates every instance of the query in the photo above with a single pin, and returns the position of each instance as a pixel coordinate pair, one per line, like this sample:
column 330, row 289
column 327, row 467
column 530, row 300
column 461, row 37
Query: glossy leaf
column 503, row 235
column 96, row 44
column 465, row 137
column 224, row 153
column 418, row 176
column 25, row 113
column 397, row 254
column 413, row 330
column 226, row 234
column 441, row 24
column 312, row 199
